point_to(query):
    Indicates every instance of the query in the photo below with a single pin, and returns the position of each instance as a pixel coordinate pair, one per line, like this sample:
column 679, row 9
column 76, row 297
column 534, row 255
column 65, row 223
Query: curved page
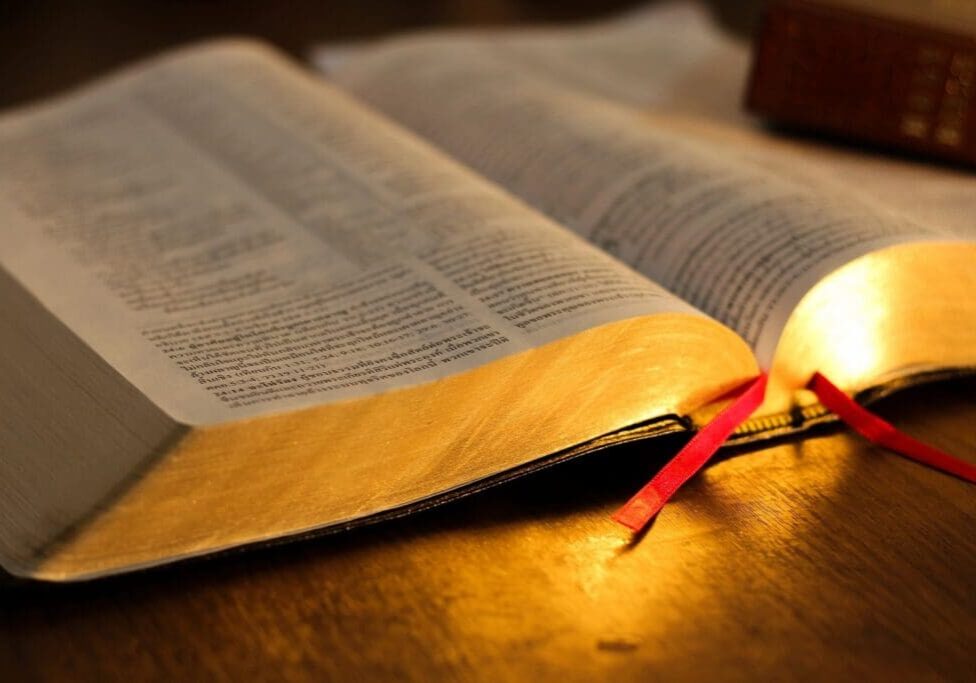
column 736, row 240
column 237, row 239
column 349, row 322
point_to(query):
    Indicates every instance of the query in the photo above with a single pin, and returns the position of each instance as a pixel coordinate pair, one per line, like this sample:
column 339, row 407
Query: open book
column 240, row 303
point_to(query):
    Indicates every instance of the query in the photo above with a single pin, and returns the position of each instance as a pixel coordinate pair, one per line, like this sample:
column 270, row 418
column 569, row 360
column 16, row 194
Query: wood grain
column 813, row 559
column 821, row 558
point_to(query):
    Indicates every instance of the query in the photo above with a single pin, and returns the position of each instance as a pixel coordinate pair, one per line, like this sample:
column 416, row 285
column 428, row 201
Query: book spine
column 867, row 78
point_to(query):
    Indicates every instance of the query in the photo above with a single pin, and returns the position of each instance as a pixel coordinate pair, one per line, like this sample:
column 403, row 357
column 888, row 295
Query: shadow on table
column 580, row 492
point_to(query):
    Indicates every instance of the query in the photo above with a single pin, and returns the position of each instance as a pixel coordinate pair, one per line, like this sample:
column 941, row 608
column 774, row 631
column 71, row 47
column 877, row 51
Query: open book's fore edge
column 756, row 431
column 656, row 427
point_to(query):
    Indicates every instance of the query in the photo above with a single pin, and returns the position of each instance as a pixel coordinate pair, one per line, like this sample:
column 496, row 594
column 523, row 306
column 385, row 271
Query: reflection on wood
column 819, row 558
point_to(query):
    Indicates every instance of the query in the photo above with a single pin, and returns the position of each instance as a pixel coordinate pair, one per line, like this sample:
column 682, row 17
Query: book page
column 236, row 238
column 668, row 55
column 673, row 60
column 740, row 243
column 930, row 194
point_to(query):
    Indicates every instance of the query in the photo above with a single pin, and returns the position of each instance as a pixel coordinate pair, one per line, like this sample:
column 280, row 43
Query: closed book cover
column 889, row 80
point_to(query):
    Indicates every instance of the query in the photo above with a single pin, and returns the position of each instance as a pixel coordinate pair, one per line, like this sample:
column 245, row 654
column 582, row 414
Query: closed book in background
column 887, row 74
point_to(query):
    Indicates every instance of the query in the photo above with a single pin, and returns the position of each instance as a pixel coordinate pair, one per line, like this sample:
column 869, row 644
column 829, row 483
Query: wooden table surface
column 813, row 559
column 821, row 558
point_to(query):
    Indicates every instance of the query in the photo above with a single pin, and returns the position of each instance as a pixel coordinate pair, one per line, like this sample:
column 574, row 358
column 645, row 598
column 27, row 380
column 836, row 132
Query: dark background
column 49, row 45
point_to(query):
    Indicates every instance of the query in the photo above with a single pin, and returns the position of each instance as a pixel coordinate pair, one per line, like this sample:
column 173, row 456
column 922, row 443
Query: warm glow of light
column 850, row 312
column 890, row 313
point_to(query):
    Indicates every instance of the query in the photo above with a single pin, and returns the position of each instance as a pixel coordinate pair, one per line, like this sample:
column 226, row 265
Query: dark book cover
column 865, row 77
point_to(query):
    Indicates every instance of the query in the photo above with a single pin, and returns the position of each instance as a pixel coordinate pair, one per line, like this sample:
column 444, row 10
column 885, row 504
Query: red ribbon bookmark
column 637, row 512
column 876, row 430
column 641, row 509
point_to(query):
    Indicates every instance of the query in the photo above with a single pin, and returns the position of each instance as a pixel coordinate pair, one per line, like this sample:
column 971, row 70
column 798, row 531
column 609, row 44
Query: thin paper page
column 673, row 59
column 739, row 243
column 667, row 55
column 930, row 194
column 236, row 238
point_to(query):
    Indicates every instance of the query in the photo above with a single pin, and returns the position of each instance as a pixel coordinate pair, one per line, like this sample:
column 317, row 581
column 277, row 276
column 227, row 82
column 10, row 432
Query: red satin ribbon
column 876, row 430
column 641, row 509
column 637, row 512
